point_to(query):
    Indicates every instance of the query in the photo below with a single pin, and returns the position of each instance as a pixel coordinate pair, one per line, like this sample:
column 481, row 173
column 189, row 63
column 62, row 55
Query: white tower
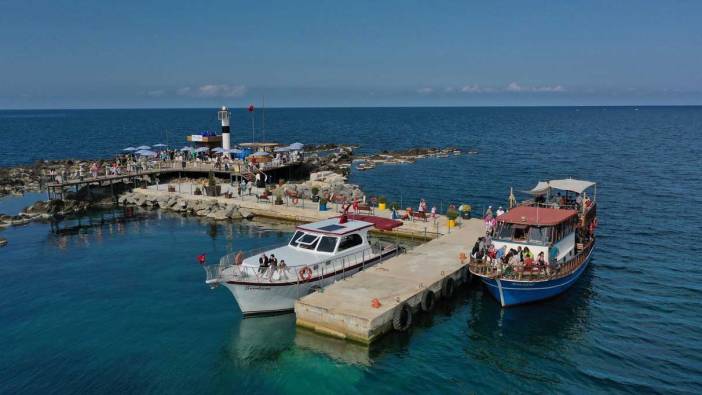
column 223, row 116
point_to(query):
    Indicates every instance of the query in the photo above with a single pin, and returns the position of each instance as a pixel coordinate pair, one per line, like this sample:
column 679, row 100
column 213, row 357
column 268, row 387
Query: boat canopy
column 567, row 184
column 528, row 215
column 540, row 189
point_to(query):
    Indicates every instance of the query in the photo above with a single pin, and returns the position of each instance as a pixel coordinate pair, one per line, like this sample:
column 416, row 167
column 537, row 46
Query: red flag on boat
column 201, row 259
column 251, row 108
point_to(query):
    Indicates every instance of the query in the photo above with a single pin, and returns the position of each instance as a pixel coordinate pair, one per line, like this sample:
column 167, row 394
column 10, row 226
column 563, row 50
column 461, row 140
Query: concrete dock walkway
column 345, row 309
column 305, row 211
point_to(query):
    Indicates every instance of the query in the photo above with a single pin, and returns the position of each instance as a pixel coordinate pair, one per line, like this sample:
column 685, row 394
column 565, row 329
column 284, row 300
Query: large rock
column 245, row 213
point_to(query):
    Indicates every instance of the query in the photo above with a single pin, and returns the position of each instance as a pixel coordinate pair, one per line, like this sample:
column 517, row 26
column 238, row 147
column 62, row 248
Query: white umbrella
column 296, row 146
column 145, row 152
column 160, row 145
column 219, row 150
column 282, row 149
column 235, row 151
column 261, row 153
column 129, row 149
column 143, row 147
column 202, row 149
column 186, row 149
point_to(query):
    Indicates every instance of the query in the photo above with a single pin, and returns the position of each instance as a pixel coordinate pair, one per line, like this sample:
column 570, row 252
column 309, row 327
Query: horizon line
column 352, row 107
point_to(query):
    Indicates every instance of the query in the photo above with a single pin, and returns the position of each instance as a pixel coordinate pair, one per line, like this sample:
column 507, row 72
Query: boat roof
column 333, row 227
column 566, row 184
column 379, row 222
column 528, row 215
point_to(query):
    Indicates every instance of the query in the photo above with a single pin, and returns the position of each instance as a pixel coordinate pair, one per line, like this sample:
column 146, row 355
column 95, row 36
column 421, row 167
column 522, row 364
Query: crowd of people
column 268, row 266
column 514, row 262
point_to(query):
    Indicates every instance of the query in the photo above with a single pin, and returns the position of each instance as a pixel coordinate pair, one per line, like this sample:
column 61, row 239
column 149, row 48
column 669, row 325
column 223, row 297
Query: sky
column 155, row 54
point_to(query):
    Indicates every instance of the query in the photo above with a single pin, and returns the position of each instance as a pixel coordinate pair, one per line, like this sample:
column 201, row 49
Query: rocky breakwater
column 18, row 180
column 325, row 183
column 206, row 207
column 338, row 161
column 43, row 211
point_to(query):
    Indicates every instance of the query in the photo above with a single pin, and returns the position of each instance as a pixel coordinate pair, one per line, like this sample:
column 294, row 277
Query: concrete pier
column 345, row 309
column 305, row 211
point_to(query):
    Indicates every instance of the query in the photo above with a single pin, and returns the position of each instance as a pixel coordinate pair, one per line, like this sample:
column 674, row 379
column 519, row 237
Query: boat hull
column 274, row 298
column 512, row 293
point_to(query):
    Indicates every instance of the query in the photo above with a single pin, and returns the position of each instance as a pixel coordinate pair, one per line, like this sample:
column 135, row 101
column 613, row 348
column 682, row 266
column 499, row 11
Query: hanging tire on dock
column 428, row 301
column 447, row 287
column 402, row 318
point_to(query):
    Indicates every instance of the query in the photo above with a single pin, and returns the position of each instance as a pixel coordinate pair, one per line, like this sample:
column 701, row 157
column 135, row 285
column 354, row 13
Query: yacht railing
column 228, row 270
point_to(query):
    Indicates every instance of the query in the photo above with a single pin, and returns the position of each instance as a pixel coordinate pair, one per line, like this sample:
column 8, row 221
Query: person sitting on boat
column 500, row 211
column 273, row 263
column 491, row 254
column 283, row 269
column 516, row 263
column 262, row 263
column 541, row 263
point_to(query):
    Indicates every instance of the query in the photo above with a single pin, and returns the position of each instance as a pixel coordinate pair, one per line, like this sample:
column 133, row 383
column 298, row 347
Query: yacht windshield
column 308, row 241
column 295, row 238
column 327, row 244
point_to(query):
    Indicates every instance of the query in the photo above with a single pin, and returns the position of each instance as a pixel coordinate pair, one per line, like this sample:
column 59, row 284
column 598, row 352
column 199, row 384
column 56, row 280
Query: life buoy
column 295, row 200
column 305, row 273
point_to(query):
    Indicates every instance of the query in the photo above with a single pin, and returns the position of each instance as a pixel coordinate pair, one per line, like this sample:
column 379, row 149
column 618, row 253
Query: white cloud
column 472, row 89
column 425, row 91
column 156, row 93
column 213, row 90
column 515, row 87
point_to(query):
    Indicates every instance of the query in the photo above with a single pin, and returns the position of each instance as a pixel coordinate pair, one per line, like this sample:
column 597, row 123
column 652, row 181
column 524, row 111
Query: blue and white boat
column 559, row 229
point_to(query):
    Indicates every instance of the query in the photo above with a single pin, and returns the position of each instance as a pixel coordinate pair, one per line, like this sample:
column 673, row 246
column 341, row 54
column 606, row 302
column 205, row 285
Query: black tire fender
column 402, row 318
column 428, row 301
column 448, row 287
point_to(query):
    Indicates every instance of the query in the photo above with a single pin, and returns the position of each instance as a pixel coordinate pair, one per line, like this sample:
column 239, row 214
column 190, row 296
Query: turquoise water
column 124, row 309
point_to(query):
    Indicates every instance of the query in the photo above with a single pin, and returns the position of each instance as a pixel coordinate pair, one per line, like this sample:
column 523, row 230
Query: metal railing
column 228, row 270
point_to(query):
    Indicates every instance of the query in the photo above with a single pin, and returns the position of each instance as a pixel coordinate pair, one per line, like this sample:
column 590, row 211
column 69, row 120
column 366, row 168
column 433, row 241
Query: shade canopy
column 570, row 184
column 143, row 147
column 202, row 149
column 145, row 152
column 186, row 149
column 129, row 149
column 261, row 153
column 528, row 215
column 296, row 146
column 160, row 145
column 282, row 149
column 540, row 189
column 218, row 150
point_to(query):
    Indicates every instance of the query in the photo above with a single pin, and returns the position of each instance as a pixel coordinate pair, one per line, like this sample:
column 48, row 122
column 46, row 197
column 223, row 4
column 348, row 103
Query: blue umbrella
column 143, row 147
column 296, row 146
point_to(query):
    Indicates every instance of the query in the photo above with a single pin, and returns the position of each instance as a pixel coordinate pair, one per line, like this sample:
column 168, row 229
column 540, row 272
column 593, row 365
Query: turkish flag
column 201, row 259
column 251, row 108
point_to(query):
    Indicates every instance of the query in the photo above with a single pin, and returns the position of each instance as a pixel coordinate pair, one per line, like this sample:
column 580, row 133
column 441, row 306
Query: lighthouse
column 223, row 116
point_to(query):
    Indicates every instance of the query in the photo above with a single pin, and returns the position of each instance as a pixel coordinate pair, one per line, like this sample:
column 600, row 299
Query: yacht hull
column 256, row 298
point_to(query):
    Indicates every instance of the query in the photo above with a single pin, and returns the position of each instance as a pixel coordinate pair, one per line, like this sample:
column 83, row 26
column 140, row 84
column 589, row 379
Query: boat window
column 327, row 244
column 296, row 236
column 504, row 231
column 349, row 241
column 537, row 235
column 520, row 233
column 308, row 241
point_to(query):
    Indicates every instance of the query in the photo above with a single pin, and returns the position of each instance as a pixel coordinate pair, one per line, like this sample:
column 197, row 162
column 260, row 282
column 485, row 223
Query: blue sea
column 124, row 308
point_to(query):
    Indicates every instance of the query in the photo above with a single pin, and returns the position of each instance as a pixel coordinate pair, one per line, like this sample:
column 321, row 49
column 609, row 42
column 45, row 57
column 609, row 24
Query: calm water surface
column 124, row 308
